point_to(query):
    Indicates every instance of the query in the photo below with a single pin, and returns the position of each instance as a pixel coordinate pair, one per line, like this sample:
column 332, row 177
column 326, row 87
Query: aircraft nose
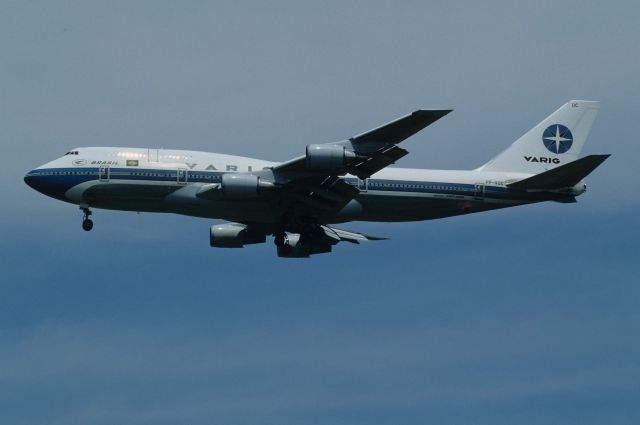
column 31, row 180
column 38, row 181
column 50, row 182
column 47, row 185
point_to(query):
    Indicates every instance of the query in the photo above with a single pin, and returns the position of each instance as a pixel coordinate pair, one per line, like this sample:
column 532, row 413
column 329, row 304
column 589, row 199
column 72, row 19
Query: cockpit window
column 71, row 153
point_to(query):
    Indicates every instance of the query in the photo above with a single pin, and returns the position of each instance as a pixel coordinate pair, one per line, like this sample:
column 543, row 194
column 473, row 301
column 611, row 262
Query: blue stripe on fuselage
column 55, row 182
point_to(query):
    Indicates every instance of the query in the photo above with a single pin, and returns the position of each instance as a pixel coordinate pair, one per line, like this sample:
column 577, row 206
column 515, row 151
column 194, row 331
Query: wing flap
column 329, row 194
column 377, row 161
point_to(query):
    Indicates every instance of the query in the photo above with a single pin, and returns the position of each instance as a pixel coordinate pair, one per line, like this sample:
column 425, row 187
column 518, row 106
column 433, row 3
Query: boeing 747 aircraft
column 299, row 201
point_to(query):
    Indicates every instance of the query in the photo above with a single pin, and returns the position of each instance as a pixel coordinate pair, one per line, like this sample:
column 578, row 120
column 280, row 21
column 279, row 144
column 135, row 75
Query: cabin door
column 182, row 175
column 479, row 191
column 104, row 173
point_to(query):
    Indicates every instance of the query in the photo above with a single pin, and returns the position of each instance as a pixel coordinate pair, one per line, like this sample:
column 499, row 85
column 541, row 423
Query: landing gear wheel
column 87, row 224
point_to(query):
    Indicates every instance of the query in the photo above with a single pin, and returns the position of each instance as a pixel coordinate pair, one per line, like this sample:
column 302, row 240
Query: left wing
column 319, row 241
column 347, row 235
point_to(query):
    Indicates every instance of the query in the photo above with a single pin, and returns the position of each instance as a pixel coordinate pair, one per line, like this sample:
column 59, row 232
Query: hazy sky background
column 528, row 315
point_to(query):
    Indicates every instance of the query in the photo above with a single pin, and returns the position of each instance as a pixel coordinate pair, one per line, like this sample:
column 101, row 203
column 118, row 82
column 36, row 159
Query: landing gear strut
column 279, row 239
column 87, row 223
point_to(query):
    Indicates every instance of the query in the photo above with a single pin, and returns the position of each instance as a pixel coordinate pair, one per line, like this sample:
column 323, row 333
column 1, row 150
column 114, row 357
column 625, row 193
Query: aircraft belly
column 409, row 207
column 125, row 196
column 182, row 199
column 185, row 201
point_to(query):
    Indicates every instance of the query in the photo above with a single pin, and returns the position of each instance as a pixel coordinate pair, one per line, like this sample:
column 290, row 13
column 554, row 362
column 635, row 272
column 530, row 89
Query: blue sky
column 527, row 315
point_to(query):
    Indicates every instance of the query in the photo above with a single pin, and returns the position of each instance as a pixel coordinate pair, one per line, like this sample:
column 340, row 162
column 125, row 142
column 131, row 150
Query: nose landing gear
column 87, row 223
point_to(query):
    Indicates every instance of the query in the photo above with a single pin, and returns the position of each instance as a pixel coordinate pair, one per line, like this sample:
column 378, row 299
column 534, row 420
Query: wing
column 310, row 184
column 306, row 192
column 374, row 149
column 339, row 235
column 378, row 147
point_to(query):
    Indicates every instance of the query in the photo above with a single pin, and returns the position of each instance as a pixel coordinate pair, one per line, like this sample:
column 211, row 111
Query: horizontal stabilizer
column 563, row 176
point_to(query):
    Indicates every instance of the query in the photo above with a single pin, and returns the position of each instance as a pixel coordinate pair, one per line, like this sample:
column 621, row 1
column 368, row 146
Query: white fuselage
column 161, row 180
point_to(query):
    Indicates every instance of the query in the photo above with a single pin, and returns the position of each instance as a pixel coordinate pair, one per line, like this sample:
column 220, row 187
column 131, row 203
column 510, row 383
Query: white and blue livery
column 298, row 201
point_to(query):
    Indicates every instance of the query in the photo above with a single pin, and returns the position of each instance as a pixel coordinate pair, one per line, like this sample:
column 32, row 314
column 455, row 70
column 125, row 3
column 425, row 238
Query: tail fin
column 563, row 176
column 556, row 141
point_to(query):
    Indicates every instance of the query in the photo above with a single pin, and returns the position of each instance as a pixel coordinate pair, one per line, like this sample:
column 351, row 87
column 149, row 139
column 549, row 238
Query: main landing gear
column 280, row 238
column 87, row 223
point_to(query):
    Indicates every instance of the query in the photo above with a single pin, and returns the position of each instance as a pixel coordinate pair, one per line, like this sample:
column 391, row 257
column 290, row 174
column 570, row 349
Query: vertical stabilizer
column 556, row 141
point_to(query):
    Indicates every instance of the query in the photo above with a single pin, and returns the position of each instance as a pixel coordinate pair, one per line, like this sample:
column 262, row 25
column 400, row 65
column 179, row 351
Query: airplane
column 299, row 201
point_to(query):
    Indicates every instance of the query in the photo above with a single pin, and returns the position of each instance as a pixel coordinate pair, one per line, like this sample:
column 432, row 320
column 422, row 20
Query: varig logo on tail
column 557, row 138
column 544, row 159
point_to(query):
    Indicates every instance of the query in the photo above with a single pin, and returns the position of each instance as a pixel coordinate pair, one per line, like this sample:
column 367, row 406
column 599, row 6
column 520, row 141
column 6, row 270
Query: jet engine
column 295, row 246
column 233, row 235
column 244, row 186
column 328, row 157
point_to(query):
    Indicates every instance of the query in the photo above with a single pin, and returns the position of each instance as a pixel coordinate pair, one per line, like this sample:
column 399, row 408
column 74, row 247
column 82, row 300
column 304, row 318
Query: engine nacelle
column 233, row 235
column 328, row 157
column 243, row 186
column 295, row 247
